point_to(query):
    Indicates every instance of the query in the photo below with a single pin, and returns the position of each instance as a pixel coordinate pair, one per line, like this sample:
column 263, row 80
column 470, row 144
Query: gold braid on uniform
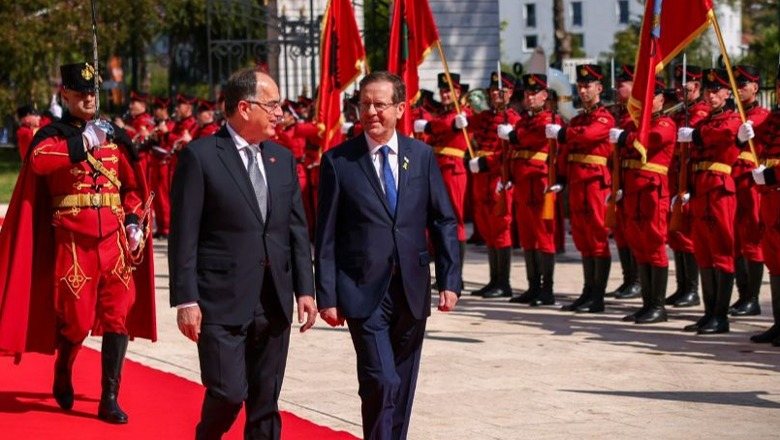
column 75, row 278
column 121, row 269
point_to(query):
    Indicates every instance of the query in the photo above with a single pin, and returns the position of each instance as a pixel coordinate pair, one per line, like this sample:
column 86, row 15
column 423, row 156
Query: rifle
column 676, row 222
column 548, row 209
column 611, row 218
column 501, row 208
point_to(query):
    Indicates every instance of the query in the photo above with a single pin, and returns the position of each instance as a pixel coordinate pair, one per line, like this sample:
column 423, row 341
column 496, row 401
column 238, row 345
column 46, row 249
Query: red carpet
column 159, row 405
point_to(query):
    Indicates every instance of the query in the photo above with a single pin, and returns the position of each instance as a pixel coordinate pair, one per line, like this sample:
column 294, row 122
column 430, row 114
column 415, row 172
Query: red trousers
column 161, row 185
column 748, row 231
column 645, row 215
column 770, row 243
column 535, row 233
column 618, row 232
column 587, row 211
column 680, row 241
column 713, row 229
column 495, row 230
column 455, row 181
column 93, row 286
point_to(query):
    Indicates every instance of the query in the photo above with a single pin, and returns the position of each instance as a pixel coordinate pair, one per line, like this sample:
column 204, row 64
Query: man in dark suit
column 380, row 195
column 238, row 250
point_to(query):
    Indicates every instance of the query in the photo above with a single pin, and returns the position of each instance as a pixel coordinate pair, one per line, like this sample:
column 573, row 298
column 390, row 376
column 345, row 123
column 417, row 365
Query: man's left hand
column 306, row 307
column 447, row 300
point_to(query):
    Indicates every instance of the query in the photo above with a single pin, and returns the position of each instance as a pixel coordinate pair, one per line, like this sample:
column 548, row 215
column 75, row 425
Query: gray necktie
column 258, row 183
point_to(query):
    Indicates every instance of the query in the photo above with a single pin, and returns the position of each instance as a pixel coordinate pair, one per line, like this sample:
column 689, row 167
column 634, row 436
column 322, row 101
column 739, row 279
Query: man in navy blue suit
column 381, row 200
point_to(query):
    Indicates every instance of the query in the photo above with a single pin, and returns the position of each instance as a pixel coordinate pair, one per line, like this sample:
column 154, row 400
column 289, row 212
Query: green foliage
column 377, row 32
column 10, row 163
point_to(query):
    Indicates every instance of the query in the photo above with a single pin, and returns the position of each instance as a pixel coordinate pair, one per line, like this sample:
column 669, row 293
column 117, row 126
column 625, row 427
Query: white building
column 529, row 23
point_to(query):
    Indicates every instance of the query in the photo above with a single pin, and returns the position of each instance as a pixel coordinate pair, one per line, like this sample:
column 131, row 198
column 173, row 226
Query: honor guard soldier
column 749, row 260
column 487, row 185
column 29, row 123
column 186, row 126
column 530, row 159
column 629, row 288
column 446, row 136
column 74, row 228
column 645, row 206
column 139, row 127
column 583, row 167
column 685, row 267
column 767, row 177
column 207, row 123
column 713, row 201
column 160, row 169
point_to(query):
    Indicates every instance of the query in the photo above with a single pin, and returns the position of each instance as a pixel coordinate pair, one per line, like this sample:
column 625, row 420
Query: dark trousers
column 244, row 364
column 388, row 345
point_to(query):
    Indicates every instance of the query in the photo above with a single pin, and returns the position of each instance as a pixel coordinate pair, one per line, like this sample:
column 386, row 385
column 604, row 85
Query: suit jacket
column 219, row 246
column 357, row 235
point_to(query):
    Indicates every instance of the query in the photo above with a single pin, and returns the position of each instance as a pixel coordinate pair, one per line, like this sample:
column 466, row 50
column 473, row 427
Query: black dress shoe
column 690, row 299
column 768, row 336
column 749, row 307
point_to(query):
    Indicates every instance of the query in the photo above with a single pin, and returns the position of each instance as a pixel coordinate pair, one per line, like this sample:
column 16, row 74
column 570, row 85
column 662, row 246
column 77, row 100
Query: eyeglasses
column 270, row 107
column 378, row 106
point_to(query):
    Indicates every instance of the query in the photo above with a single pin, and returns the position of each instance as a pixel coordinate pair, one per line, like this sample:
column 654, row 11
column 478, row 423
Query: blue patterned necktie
column 387, row 175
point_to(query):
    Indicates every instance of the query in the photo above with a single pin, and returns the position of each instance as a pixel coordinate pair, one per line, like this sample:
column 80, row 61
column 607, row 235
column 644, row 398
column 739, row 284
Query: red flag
column 667, row 28
column 413, row 34
column 341, row 62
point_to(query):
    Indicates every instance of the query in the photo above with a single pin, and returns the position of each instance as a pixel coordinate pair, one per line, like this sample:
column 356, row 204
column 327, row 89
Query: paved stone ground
column 494, row 370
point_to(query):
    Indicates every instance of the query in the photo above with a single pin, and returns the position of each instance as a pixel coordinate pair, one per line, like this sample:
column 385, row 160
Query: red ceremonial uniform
column 768, row 140
column 529, row 175
column 450, row 146
column 135, row 128
column 680, row 241
column 24, row 136
column 747, row 237
column 160, row 177
column 586, row 149
column 713, row 201
column 623, row 121
column 176, row 141
column 495, row 230
column 646, row 192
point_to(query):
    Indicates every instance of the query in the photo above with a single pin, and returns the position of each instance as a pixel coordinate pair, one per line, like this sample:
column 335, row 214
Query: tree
column 563, row 48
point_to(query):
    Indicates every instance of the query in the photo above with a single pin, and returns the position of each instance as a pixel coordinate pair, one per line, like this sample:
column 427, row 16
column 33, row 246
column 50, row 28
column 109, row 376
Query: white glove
column 474, row 165
column 419, row 125
column 555, row 188
column 685, row 134
column 758, row 175
column 746, row 132
column 54, row 107
column 551, row 131
column 504, row 130
column 461, row 121
column 618, row 198
column 345, row 127
column 686, row 197
column 614, row 135
column 134, row 236
column 95, row 134
column 501, row 187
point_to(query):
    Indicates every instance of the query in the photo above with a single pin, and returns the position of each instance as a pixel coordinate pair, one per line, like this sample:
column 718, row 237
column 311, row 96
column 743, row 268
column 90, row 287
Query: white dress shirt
column 376, row 158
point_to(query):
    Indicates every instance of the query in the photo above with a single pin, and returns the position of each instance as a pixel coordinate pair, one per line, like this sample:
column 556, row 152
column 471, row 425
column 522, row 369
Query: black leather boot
column 719, row 323
column 595, row 303
column 502, row 287
column 588, row 272
column 112, row 355
column 708, row 291
column 691, row 296
column 533, row 274
column 646, row 283
column 773, row 333
column 547, row 269
column 750, row 305
column 63, row 372
column 656, row 311
column 493, row 266
column 679, row 275
column 741, row 281
column 633, row 288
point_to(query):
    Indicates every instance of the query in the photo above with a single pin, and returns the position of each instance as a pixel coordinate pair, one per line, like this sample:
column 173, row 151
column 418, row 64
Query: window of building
column 578, row 40
column 530, row 42
column 530, row 15
column 623, row 11
column 576, row 13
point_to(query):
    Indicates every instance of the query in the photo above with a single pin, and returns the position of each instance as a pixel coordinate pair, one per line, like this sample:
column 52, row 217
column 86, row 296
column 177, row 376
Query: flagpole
column 714, row 21
column 457, row 99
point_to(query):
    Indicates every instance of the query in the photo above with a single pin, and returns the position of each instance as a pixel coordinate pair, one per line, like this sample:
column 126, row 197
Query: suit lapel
column 367, row 165
column 229, row 155
column 404, row 150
